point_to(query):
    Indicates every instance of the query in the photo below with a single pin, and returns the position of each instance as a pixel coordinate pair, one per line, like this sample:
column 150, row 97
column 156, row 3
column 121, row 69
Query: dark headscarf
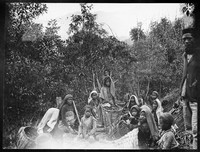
column 68, row 96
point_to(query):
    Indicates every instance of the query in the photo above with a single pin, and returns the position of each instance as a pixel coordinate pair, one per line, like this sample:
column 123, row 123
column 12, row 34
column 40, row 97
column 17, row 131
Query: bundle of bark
column 172, row 103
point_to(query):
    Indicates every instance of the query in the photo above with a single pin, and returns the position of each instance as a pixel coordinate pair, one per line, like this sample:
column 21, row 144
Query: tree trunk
column 148, row 85
column 160, row 88
column 138, row 88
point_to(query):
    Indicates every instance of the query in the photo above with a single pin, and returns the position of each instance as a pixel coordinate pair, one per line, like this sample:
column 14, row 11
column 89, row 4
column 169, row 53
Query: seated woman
column 133, row 101
column 167, row 140
column 88, row 125
column 143, row 137
column 154, row 96
column 133, row 117
column 157, row 110
column 147, row 140
column 67, row 118
column 94, row 102
column 49, row 119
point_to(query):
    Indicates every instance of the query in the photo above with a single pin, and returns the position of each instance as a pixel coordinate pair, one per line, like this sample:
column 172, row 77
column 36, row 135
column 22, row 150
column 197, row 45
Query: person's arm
column 51, row 123
column 63, row 119
column 94, row 127
column 184, row 57
column 102, row 96
column 98, row 83
column 168, row 140
column 45, row 120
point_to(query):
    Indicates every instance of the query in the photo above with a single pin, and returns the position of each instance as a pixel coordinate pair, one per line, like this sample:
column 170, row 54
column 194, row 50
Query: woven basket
column 26, row 137
column 115, row 113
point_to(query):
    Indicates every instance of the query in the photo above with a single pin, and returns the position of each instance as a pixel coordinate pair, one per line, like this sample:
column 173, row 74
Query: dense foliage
column 41, row 66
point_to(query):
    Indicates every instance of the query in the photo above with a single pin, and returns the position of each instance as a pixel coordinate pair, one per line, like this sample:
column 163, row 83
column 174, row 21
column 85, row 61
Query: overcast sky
column 120, row 17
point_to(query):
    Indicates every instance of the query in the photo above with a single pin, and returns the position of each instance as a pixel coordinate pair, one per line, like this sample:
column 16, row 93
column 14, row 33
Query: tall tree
column 137, row 34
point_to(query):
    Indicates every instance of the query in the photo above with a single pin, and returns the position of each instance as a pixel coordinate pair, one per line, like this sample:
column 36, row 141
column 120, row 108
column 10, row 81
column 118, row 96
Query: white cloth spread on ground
column 50, row 119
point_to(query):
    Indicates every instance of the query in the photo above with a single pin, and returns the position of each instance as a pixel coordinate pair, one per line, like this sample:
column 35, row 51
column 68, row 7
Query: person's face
column 142, row 117
column 126, row 98
column 106, row 73
column 108, row 83
column 94, row 96
column 134, row 112
column 58, row 101
column 163, row 125
column 187, row 39
column 140, row 102
column 144, row 127
column 132, row 101
column 70, row 101
column 153, row 96
column 155, row 105
column 87, row 113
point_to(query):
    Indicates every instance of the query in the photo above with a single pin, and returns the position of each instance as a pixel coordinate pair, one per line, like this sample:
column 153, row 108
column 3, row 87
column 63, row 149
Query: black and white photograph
column 101, row 76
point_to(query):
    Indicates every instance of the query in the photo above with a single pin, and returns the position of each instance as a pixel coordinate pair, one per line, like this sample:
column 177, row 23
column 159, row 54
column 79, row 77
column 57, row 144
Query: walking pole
column 76, row 112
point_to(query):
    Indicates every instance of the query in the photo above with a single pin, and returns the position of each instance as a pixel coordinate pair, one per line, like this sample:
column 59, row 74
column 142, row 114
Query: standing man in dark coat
column 190, row 86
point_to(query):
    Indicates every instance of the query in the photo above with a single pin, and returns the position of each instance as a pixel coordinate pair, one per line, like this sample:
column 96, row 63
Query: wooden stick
column 76, row 112
column 93, row 76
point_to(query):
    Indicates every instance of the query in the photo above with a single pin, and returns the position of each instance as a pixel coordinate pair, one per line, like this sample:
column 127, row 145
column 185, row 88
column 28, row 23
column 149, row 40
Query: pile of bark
column 172, row 103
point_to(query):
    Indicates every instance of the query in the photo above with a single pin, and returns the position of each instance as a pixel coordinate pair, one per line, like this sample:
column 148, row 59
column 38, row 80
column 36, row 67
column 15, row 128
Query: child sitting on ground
column 88, row 125
column 167, row 140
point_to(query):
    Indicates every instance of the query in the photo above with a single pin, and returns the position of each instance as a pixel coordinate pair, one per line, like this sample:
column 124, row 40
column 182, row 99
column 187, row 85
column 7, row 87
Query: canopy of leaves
column 137, row 34
column 159, row 57
column 40, row 66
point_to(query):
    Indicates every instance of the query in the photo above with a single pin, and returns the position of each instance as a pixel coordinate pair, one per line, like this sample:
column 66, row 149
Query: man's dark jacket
column 191, row 72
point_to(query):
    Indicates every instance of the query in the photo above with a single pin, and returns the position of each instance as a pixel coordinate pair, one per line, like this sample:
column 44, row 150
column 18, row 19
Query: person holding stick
column 88, row 125
column 67, row 117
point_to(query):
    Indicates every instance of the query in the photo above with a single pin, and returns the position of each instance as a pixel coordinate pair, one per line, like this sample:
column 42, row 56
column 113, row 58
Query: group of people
column 147, row 119
column 60, row 120
column 149, row 126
